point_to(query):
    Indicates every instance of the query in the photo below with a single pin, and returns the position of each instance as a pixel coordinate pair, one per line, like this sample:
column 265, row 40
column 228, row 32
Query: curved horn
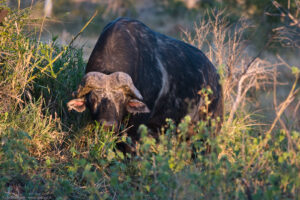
column 92, row 80
column 124, row 81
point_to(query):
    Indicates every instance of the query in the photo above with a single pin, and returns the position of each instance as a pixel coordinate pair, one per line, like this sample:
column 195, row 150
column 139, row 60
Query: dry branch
column 286, row 13
column 287, row 34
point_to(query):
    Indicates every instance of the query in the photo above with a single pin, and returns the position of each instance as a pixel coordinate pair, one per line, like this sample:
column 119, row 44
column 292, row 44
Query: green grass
column 45, row 151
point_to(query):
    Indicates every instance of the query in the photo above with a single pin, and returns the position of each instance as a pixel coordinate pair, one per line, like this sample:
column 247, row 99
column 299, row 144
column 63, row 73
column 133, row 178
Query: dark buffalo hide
column 164, row 75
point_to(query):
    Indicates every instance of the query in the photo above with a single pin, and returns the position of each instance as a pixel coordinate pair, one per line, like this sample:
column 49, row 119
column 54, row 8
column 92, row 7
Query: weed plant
column 47, row 152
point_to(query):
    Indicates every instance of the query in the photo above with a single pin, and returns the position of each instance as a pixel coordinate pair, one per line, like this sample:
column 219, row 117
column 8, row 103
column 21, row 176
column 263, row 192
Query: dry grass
column 288, row 33
column 243, row 76
column 227, row 48
column 16, row 55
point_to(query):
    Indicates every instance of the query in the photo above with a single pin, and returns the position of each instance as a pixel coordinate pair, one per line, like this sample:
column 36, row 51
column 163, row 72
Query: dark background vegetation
column 47, row 152
column 167, row 16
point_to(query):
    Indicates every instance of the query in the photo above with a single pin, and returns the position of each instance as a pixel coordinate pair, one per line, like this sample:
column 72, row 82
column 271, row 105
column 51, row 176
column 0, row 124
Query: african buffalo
column 134, row 69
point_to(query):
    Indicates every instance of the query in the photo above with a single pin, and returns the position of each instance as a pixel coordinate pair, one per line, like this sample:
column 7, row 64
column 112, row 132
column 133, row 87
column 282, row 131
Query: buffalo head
column 108, row 97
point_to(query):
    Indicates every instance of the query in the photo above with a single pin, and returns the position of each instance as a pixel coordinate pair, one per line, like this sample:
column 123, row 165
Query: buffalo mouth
column 109, row 125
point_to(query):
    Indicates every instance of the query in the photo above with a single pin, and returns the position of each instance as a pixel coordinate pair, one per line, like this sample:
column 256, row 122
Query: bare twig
column 84, row 27
column 290, row 143
column 296, row 109
column 61, row 53
column 286, row 13
column 12, row 96
column 287, row 101
column 279, row 111
column 247, row 188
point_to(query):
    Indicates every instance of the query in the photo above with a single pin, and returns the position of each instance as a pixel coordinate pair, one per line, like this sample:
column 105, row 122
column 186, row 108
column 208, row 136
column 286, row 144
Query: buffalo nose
column 108, row 125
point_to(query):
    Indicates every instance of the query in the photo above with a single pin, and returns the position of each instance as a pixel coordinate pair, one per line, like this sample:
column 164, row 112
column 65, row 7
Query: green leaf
column 281, row 159
column 147, row 187
column 111, row 155
column 295, row 70
column 281, row 138
column 73, row 151
column 171, row 162
column 48, row 161
column 295, row 135
column 120, row 154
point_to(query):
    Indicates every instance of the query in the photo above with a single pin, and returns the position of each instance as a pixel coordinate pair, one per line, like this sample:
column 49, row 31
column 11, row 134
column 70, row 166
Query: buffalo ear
column 77, row 105
column 135, row 106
